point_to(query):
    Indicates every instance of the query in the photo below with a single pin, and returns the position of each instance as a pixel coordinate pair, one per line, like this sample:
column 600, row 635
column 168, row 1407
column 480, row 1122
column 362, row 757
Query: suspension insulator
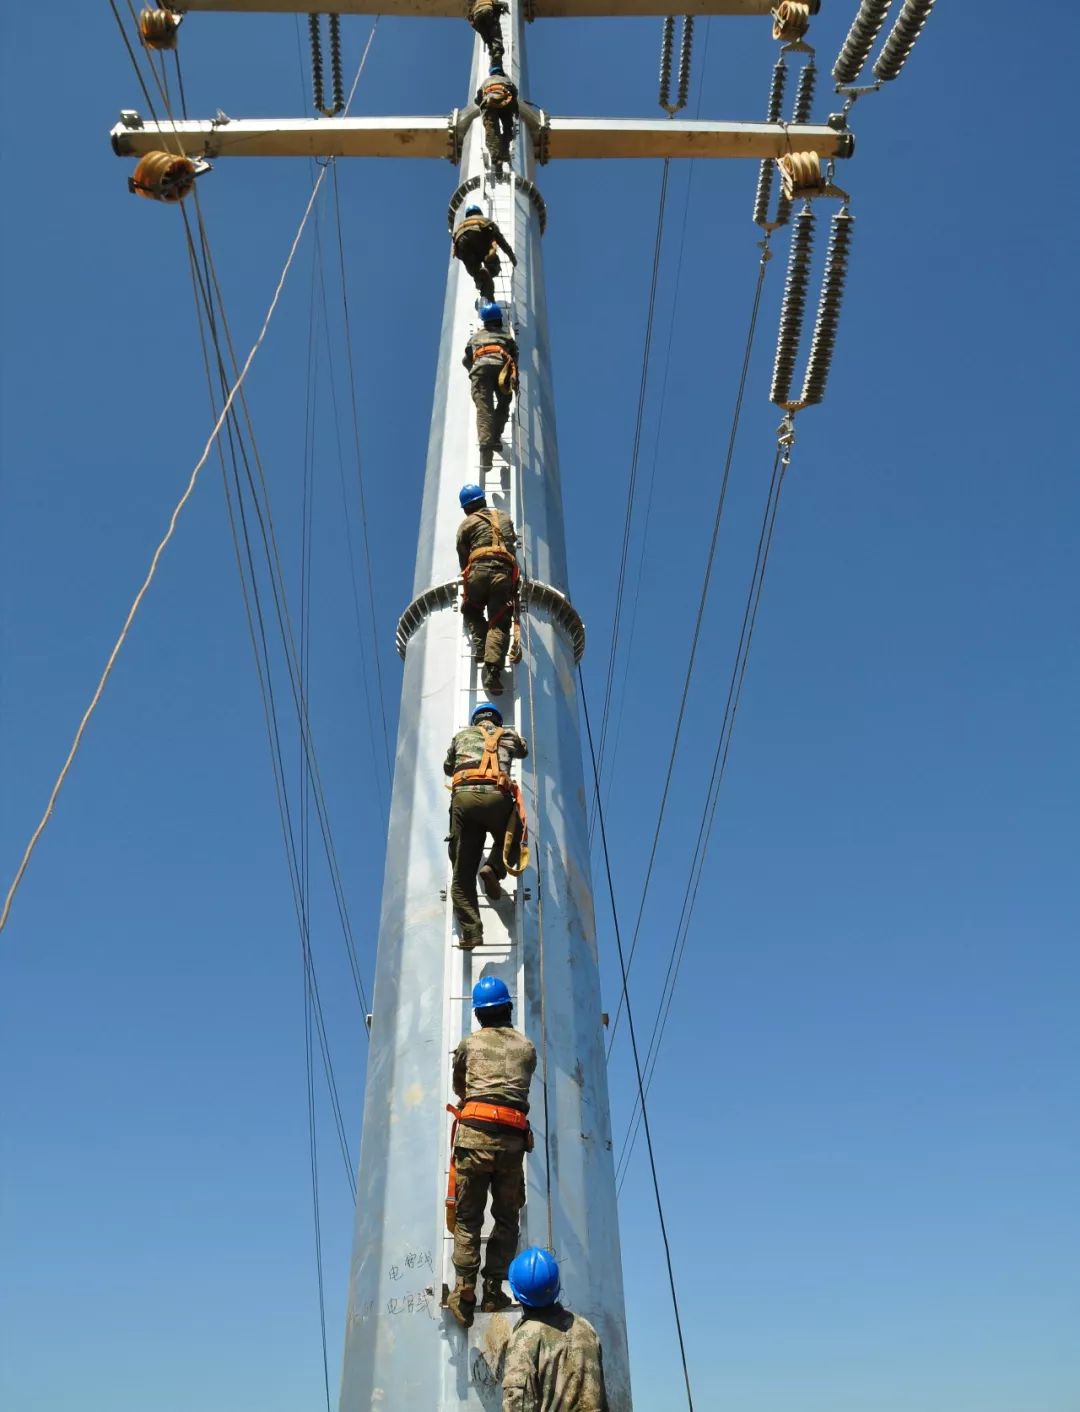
column 772, row 115
column 828, row 314
column 318, row 96
column 855, row 49
column 894, row 52
column 776, row 91
column 804, row 94
column 667, row 43
column 337, row 77
column 793, row 307
column 163, row 176
column 686, row 49
column 790, row 21
column 800, row 173
column 157, row 28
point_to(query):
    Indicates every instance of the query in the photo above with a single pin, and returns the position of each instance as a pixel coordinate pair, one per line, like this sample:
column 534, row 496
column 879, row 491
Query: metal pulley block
column 158, row 28
column 163, row 176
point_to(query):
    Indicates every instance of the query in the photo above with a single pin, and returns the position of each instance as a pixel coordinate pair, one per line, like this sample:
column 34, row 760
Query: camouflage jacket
column 485, row 337
column 554, row 1363
column 471, row 7
column 467, row 750
column 474, row 532
column 493, row 1065
column 475, row 236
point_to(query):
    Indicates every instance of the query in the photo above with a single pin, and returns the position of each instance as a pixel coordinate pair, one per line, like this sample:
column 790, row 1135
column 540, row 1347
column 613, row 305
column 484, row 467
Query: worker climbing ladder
column 501, row 952
column 401, row 1347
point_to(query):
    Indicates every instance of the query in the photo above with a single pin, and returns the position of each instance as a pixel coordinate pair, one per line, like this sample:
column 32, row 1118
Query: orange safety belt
column 497, row 550
column 509, row 371
column 497, row 94
column 488, row 1113
column 490, row 769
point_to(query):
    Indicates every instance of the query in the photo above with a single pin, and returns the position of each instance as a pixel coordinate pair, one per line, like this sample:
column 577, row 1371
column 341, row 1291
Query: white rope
column 154, row 564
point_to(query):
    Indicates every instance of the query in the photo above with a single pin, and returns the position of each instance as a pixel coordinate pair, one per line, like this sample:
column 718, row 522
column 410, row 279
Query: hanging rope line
column 634, row 1045
column 781, row 462
column 152, row 571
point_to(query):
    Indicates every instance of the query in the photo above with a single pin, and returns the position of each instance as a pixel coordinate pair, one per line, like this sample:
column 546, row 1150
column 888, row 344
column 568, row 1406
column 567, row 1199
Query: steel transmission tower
column 403, row 1352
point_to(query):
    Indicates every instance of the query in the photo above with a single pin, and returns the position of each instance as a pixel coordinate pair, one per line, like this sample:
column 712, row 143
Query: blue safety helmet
column 496, row 71
column 485, row 708
column 534, row 1278
column 473, row 211
column 490, row 992
column 469, row 495
column 491, row 313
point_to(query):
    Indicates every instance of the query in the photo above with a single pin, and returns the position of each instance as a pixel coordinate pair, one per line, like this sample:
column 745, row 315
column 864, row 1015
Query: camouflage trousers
column 489, row 29
column 475, row 813
column 483, row 272
column 498, row 133
column 491, row 587
column 502, row 1173
column 492, row 404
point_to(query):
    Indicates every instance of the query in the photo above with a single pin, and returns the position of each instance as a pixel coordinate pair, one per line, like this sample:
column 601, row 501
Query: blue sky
column 865, row 1105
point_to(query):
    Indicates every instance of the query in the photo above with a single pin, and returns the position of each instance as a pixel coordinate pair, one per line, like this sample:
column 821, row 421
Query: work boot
column 491, row 677
column 469, row 940
column 494, row 1298
column 462, row 1302
column 489, row 881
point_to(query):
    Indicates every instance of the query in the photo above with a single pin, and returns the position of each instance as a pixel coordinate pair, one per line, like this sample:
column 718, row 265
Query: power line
column 712, row 794
column 700, row 616
column 634, row 1046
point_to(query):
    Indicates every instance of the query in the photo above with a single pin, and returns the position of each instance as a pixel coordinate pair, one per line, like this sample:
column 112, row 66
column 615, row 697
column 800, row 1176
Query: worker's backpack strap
column 490, row 770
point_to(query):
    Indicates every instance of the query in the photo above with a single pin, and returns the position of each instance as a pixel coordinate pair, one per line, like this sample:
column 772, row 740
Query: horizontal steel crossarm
column 453, row 9
column 433, row 137
column 289, row 137
column 534, row 594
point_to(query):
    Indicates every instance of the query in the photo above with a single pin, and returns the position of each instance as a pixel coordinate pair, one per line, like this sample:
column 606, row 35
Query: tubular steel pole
column 402, row 1350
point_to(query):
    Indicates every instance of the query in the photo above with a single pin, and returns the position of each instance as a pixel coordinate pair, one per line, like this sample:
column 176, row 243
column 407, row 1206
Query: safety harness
column 488, row 1113
column 496, row 550
column 496, row 95
column 464, row 237
column 508, row 373
column 490, row 771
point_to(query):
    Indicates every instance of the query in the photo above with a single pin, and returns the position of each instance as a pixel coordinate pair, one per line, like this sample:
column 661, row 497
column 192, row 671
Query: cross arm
column 441, row 137
column 453, row 9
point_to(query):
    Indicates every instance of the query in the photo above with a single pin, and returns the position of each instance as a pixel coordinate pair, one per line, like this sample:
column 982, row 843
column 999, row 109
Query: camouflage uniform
column 476, row 811
column 484, row 18
column 490, row 584
column 492, row 385
column 498, row 117
column 554, row 1363
column 493, row 1065
column 474, row 242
